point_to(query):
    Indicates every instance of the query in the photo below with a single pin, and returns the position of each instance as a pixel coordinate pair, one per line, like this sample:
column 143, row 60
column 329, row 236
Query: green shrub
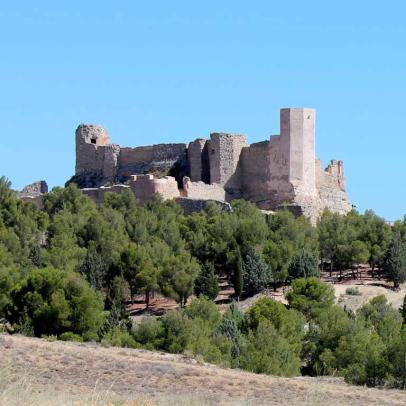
column 268, row 352
column 355, row 374
column 50, row 338
column 176, row 331
column 352, row 291
column 310, row 296
column 288, row 323
column 204, row 309
column 150, row 333
column 213, row 348
column 52, row 302
column 120, row 338
column 71, row 337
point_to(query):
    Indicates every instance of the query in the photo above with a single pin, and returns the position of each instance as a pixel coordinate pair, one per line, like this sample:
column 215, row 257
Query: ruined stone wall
column 89, row 155
column 158, row 159
column 256, row 173
column 281, row 188
column 331, row 187
column 271, row 174
column 99, row 162
column 96, row 158
column 97, row 194
column 224, row 156
column 34, row 189
column 201, row 190
column 195, row 157
column 266, row 173
column 35, row 193
column 190, row 206
column 144, row 187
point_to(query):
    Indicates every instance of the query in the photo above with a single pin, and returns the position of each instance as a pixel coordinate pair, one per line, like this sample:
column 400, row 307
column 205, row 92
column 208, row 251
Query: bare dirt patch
column 367, row 286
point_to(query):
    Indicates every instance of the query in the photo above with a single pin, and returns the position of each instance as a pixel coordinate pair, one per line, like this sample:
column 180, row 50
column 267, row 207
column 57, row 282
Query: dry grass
column 367, row 290
column 38, row 372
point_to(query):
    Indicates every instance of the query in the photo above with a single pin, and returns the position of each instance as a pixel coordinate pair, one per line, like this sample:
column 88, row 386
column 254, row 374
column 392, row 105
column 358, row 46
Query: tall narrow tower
column 298, row 131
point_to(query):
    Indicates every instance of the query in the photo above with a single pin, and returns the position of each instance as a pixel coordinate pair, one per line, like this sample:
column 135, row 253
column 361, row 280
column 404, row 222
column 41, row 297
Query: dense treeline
column 69, row 270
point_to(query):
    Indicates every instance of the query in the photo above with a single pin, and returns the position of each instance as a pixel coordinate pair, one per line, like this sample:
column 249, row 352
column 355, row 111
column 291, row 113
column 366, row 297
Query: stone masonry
column 34, row 193
column 280, row 172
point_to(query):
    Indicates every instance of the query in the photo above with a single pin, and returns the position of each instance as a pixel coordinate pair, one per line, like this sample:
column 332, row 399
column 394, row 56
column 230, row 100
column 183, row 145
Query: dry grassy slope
column 366, row 293
column 77, row 369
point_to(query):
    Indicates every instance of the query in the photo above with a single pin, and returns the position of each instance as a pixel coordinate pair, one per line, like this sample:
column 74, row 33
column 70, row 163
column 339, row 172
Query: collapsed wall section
column 160, row 160
column 98, row 194
column 201, row 190
column 198, row 156
column 190, row 206
column 331, row 187
column 35, row 192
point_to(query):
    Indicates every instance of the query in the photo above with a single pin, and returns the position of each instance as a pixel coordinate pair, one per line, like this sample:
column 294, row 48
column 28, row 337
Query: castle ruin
column 280, row 172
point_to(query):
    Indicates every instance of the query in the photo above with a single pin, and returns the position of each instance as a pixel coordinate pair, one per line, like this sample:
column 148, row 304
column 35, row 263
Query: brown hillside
column 35, row 371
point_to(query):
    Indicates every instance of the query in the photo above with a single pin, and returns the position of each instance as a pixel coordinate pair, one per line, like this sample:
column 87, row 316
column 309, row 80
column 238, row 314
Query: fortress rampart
column 281, row 171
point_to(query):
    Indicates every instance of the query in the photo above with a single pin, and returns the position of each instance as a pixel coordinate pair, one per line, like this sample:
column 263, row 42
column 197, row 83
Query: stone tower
column 88, row 139
column 298, row 134
column 224, row 155
column 96, row 158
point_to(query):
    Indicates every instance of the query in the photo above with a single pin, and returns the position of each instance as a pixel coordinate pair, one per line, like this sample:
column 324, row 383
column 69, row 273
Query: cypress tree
column 395, row 264
column 238, row 276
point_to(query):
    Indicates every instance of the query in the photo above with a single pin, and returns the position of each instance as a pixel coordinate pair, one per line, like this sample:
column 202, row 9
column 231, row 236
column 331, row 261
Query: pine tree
column 207, row 283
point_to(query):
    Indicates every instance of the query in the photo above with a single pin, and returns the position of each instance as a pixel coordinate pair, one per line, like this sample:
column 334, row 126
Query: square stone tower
column 224, row 155
column 89, row 138
column 298, row 135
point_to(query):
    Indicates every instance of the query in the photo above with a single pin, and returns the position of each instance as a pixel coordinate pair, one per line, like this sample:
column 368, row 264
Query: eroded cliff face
column 280, row 172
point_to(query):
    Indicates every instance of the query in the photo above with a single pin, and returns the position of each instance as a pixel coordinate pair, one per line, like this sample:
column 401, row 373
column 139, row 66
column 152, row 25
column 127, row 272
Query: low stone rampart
column 145, row 186
column 201, row 190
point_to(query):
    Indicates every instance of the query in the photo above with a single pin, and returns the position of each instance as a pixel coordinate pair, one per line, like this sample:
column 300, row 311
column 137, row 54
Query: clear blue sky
column 161, row 71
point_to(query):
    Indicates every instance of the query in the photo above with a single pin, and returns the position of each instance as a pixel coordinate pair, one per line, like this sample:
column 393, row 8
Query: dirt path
column 81, row 370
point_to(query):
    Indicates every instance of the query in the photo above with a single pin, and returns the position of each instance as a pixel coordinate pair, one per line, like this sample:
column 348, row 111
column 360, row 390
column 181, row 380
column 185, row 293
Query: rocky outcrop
column 35, row 193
